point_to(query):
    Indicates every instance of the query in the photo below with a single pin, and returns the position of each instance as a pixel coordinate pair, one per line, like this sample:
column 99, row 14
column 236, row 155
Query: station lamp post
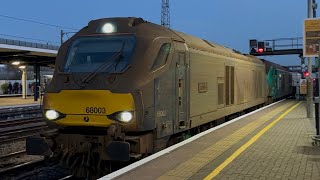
column 62, row 33
column 23, row 78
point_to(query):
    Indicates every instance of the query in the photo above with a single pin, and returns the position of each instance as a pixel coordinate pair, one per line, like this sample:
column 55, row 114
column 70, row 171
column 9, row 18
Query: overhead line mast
column 165, row 13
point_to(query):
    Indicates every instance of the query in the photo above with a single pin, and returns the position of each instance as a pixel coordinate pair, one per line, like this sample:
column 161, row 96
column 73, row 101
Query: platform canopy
column 27, row 53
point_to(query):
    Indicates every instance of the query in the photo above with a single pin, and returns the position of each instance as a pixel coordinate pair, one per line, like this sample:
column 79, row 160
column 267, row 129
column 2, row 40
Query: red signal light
column 306, row 74
column 260, row 50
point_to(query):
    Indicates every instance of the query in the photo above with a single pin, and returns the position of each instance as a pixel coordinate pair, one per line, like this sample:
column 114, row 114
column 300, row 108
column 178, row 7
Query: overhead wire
column 37, row 22
column 20, row 37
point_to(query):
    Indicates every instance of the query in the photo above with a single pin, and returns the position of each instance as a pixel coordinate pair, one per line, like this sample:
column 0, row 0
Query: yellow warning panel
column 311, row 37
column 303, row 86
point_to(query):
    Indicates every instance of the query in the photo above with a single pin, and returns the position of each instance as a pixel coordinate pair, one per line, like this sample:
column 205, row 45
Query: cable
column 36, row 22
column 40, row 40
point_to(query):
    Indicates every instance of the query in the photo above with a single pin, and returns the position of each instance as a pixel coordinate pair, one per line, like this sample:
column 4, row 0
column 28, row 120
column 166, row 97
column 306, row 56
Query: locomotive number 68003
column 96, row 110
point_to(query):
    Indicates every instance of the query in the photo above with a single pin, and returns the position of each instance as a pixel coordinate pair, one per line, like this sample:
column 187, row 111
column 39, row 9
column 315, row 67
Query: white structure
column 296, row 79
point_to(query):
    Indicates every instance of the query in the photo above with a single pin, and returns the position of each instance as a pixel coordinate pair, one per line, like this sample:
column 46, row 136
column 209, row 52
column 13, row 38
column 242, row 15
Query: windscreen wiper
column 115, row 58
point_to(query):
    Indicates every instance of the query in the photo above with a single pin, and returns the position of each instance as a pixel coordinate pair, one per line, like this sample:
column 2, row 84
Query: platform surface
column 273, row 143
column 16, row 101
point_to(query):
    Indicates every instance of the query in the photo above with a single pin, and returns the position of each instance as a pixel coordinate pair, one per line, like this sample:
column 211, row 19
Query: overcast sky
column 227, row 22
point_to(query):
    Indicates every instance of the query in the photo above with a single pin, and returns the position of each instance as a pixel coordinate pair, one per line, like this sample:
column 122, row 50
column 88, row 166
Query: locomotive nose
column 99, row 108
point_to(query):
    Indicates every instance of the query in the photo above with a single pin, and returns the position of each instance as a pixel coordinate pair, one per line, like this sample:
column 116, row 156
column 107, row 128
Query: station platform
column 17, row 101
column 273, row 142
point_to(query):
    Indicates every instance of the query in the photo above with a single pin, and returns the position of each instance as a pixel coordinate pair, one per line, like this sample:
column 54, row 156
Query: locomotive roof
column 204, row 45
column 146, row 28
column 149, row 29
column 269, row 64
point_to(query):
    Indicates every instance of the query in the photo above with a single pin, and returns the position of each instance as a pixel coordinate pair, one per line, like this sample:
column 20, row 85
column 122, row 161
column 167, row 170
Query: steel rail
column 14, row 154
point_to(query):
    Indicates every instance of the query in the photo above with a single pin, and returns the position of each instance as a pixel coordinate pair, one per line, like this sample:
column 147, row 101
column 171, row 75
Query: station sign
column 311, row 37
column 303, row 86
column 295, row 68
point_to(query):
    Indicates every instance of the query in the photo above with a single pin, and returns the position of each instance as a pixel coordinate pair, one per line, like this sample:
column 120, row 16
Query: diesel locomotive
column 124, row 88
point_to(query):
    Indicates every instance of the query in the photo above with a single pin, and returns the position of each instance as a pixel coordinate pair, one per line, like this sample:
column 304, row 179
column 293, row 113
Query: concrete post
column 310, row 9
column 309, row 79
column 24, row 83
column 317, row 110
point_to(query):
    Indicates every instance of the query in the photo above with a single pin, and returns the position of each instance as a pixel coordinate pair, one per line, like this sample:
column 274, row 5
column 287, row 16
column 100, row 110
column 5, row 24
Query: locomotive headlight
column 123, row 116
column 52, row 115
column 108, row 28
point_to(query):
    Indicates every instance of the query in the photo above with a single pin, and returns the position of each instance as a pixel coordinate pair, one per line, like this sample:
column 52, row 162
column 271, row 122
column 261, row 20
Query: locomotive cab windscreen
column 108, row 54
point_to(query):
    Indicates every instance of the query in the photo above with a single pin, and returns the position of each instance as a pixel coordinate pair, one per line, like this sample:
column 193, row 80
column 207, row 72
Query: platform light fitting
column 22, row 67
column 15, row 63
column 108, row 28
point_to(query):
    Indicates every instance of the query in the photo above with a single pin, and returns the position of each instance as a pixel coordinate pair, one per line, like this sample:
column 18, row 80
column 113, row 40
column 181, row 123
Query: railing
column 285, row 43
column 28, row 44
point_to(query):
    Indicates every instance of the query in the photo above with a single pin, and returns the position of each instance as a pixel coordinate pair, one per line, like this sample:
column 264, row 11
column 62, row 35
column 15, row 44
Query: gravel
column 14, row 147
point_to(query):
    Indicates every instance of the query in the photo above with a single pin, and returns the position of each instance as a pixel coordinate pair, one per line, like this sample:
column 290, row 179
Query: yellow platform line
column 191, row 166
column 215, row 172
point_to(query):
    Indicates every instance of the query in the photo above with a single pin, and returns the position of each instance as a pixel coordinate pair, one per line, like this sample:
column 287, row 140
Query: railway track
column 20, row 122
column 18, row 129
column 19, row 111
column 12, row 155
column 16, row 124
column 40, row 169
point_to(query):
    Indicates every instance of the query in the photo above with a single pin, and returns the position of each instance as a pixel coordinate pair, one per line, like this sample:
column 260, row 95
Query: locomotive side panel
column 232, row 86
column 144, row 103
column 164, row 102
column 207, row 87
column 172, row 93
column 206, row 70
column 249, row 83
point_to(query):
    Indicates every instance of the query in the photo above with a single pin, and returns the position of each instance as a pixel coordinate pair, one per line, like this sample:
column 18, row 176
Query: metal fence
column 285, row 43
column 28, row 44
